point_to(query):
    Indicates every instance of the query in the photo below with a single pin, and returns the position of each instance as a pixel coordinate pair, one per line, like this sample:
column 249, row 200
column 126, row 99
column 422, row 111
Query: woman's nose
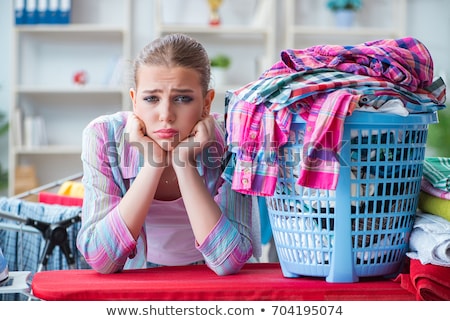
column 166, row 113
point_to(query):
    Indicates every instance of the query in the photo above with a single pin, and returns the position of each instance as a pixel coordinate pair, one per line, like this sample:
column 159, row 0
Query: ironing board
column 255, row 282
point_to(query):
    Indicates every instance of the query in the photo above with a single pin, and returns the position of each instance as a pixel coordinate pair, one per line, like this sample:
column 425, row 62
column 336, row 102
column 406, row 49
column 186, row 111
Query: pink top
column 170, row 240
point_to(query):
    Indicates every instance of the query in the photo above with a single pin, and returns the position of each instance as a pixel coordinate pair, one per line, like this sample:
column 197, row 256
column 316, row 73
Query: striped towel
column 437, row 171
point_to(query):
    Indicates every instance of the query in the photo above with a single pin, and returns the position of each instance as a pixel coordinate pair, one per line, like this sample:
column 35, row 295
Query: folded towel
column 428, row 282
column 429, row 241
column 434, row 205
column 428, row 188
column 437, row 171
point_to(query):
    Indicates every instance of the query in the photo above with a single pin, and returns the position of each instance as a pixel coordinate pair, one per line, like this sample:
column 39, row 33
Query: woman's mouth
column 166, row 133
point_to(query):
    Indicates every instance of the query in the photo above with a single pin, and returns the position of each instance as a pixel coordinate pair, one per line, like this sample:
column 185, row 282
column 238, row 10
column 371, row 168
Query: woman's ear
column 133, row 97
column 208, row 102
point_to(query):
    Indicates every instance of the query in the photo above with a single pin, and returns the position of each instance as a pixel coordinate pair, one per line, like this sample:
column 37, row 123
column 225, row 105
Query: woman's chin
column 167, row 145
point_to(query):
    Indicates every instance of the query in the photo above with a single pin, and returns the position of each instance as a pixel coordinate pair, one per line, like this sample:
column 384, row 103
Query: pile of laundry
column 323, row 85
column 430, row 237
column 429, row 243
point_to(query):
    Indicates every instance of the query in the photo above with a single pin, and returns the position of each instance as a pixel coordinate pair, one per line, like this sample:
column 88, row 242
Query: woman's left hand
column 202, row 134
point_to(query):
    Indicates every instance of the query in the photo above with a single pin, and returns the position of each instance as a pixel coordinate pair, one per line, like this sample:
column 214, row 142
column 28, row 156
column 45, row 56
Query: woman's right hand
column 136, row 134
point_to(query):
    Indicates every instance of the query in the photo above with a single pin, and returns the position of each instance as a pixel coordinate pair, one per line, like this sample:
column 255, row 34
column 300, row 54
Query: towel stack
column 434, row 196
column 429, row 242
column 430, row 238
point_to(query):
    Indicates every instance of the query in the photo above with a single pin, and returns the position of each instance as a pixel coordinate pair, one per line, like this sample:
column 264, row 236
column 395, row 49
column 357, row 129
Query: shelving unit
column 96, row 41
column 310, row 22
column 246, row 34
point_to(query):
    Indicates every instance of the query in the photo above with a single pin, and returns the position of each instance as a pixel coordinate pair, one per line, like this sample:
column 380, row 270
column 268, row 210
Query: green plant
column 439, row 133
column 3, row 124
column 220, row 60
column 335, row 5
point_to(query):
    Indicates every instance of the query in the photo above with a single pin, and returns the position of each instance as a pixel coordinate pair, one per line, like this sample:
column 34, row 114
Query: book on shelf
column 17, row 127
column 31, row 12
column 35, row 133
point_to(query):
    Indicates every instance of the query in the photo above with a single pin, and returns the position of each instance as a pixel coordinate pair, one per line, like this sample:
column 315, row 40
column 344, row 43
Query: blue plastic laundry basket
column 362, row 228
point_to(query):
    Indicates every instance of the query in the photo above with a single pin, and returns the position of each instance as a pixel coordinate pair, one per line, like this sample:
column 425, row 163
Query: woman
column 154, row 194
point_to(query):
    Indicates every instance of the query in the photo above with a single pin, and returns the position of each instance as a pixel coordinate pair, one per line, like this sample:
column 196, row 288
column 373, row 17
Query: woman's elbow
column 98, row 260
column 231, row 265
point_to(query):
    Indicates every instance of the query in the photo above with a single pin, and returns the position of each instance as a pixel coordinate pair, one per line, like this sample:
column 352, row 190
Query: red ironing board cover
column 255, row 282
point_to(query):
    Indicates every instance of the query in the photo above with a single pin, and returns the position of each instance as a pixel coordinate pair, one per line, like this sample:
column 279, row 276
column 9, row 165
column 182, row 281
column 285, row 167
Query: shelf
column 69, row 28
column 48, row 150
column 81, row 90
column 348, row 32
column 202, row 29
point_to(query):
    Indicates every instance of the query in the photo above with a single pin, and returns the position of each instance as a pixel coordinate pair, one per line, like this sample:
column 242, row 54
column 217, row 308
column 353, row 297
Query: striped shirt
column 110, row 166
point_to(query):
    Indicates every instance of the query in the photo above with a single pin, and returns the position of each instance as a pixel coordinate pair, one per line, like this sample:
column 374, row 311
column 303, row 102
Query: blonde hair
column 176, row 50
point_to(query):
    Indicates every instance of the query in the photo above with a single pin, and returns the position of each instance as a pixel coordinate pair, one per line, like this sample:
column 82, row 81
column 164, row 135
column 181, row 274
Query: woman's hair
column 176, row 50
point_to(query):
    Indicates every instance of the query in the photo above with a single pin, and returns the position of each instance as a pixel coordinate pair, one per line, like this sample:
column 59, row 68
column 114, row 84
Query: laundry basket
column 361, row 228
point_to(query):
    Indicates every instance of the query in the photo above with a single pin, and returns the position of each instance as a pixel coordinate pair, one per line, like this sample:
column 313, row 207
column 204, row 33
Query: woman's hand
column 201, row 136
column 136, row 134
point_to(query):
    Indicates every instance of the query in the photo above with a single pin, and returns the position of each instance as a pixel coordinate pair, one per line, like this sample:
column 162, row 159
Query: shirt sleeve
column 103, row 239
column 229, row 245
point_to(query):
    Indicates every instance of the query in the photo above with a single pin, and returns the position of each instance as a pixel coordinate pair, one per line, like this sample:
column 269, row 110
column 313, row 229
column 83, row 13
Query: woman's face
column 170, row 102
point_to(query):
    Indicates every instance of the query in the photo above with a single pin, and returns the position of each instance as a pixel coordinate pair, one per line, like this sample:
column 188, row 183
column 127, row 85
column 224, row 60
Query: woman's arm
column 104, row 239
column 221, row 224
column 229, row 245
column 112, row 216
column 136, row 202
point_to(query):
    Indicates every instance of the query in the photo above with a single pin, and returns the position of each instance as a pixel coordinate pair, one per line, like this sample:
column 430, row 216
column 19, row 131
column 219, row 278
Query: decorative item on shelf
column 214, row 17
column 344, row 11
column 80, row 77
column 219, row 65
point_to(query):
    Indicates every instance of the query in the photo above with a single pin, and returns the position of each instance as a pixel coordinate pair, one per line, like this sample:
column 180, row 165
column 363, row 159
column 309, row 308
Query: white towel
column 430, row 240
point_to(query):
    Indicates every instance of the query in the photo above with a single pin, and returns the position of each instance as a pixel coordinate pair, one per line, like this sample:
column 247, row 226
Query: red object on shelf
column 80, row 77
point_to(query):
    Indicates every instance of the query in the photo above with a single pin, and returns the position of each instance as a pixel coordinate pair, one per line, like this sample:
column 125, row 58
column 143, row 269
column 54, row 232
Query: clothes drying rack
column 54, row 234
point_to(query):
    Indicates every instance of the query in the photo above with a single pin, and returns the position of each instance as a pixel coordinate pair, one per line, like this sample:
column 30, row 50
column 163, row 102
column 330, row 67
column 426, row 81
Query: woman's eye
column 183, row 99
column 151, row 99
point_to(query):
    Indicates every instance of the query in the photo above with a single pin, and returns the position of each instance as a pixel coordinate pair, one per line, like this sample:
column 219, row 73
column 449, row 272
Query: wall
column 427, row 21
